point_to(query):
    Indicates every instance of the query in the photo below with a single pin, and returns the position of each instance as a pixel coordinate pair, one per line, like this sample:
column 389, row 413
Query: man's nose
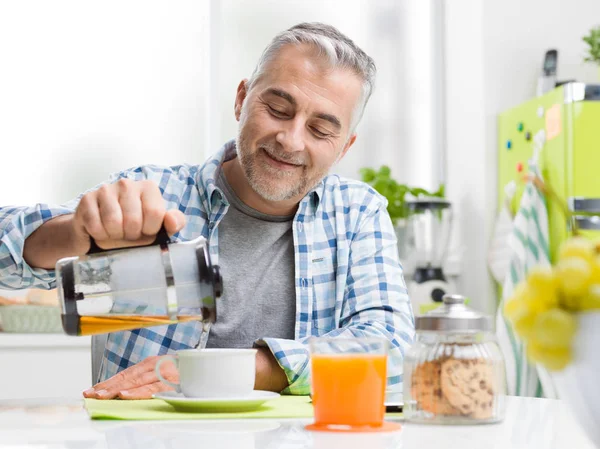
column 291, row 137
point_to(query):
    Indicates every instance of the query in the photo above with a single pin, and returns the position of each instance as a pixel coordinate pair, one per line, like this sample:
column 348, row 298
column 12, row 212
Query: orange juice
column 349, row 389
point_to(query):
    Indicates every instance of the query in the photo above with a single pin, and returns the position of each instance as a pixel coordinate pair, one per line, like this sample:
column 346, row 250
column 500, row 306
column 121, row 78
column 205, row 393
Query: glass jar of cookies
column 454, row 373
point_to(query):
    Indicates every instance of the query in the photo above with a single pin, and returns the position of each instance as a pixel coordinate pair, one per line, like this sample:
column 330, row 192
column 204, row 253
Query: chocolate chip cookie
column 469, row 386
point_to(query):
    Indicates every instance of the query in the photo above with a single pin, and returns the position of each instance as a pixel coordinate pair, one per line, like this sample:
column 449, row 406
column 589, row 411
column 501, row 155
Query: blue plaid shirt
column 348, row 278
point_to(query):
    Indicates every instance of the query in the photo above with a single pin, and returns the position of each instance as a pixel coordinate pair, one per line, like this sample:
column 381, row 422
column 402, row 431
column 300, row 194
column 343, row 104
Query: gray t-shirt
column 256, row 256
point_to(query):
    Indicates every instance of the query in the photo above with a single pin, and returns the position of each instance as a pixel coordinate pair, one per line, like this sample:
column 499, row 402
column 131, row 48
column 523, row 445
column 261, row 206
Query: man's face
column 294, row 123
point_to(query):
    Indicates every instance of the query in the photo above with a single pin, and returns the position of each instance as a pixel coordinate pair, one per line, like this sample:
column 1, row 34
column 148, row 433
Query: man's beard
column 269, row 182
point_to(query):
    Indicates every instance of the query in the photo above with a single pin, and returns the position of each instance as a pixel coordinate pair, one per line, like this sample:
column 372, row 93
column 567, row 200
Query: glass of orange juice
column 348, row 383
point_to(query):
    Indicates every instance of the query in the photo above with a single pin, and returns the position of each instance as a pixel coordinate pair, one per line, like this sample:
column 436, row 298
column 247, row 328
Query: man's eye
column 277, row 112
column 319, row 134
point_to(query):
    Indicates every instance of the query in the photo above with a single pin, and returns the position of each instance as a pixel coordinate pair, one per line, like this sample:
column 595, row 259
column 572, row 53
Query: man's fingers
column 125, row 214
column 153, row 208
column 110, row 212
column 88, row 215
column 105, row 394
column 135, row 384
column 89, row 393
column 131, row 207
column 174, row 221
column 144, row 392
column 132, row 377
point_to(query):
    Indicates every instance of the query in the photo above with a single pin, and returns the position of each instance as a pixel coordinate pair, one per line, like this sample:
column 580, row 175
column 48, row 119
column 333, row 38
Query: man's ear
column 347, row 146
column 240, row 97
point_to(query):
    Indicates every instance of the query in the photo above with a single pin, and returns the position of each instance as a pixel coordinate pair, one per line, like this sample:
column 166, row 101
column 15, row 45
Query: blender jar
column 430, row 222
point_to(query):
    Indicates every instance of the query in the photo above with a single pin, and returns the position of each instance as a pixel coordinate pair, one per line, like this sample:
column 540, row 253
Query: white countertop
column 17, row 341
column 57, row 424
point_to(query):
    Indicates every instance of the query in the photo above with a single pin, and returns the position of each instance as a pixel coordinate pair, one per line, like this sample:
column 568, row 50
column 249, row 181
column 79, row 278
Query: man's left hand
column 136, row 382
column 140, row 381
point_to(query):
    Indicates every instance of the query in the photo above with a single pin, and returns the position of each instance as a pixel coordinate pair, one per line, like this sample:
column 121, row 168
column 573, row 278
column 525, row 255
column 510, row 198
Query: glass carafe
column 131, row 288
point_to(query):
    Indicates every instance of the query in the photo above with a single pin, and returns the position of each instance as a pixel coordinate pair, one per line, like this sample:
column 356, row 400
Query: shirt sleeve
column 18, row 223
column 376, row 304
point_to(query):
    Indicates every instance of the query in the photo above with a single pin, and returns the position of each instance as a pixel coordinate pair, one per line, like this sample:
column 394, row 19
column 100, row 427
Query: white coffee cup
column 212, row 373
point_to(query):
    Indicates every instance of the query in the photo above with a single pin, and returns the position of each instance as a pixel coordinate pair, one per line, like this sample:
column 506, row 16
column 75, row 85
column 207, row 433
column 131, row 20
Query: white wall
column 87, row 88
column 494, row 53
column 465, row 149
column 402, row 123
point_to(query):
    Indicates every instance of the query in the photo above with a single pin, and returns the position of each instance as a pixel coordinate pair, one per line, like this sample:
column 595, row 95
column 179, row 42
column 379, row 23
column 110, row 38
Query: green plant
column 593, row 41
column 382, row 181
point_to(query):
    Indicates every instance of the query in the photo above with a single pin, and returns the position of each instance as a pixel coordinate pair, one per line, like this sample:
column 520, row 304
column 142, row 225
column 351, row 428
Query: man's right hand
column 123, row 214
column 126, row 213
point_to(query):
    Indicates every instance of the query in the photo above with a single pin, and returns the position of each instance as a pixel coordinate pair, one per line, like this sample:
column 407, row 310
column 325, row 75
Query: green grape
column 535, row 301
column 591, row 301
column 596, row 270
column 571, row 303
column 524, row 326
column 513, row 307
column 577, row 247
column 543, row 287
column 553, row 358
column 553, row 327
column 575, row 276
column 520, row 291
column 535, row 352
column 520, row 315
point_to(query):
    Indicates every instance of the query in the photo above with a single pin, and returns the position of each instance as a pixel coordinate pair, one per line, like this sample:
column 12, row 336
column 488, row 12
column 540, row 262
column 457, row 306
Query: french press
column 130, row 288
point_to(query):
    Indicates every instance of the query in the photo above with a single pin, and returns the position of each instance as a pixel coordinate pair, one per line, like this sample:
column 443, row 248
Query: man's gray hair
column 340, row 51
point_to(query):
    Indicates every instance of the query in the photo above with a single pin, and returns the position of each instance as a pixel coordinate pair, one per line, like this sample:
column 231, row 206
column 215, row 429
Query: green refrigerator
column 569, row 160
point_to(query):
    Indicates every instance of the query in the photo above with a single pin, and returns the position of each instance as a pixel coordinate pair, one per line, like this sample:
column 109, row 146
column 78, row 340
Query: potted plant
column 397, row 194
column 593, row 46
column 556, row 312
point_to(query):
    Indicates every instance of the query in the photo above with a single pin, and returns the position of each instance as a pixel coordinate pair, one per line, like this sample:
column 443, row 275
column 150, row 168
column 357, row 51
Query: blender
column 429, row 224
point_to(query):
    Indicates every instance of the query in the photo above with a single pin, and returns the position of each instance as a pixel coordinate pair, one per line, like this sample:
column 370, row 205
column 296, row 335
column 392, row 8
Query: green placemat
column 155, row 409
column 152, row 409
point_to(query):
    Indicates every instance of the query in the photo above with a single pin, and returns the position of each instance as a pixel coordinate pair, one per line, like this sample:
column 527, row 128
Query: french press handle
column 162, row 238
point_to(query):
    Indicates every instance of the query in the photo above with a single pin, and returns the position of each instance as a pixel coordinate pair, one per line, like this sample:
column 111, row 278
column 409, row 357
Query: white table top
column 36, row 424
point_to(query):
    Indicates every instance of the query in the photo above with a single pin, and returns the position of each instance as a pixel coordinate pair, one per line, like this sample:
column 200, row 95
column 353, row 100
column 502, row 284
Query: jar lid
column 453, row 316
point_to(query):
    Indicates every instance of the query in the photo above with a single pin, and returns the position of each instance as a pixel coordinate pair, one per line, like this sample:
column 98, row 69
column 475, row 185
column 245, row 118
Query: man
column 302, row 253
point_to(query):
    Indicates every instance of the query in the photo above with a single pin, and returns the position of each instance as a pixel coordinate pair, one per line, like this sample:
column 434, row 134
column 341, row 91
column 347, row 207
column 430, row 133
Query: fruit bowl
column 578, row 384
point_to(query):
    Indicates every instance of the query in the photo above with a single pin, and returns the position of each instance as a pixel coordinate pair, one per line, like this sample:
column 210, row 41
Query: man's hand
column 126, row 213
column 136, row 382
column 140, row 381
column 269, row 375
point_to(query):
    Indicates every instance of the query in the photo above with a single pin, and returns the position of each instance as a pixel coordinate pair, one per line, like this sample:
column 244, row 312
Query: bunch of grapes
column 542, row 307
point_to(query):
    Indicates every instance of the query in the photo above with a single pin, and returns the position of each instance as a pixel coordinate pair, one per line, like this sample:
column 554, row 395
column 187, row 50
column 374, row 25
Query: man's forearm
column 52, row 241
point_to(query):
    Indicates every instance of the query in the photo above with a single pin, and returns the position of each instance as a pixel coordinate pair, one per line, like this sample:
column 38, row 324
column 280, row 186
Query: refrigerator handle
column 582, row 204
column 588, row 222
